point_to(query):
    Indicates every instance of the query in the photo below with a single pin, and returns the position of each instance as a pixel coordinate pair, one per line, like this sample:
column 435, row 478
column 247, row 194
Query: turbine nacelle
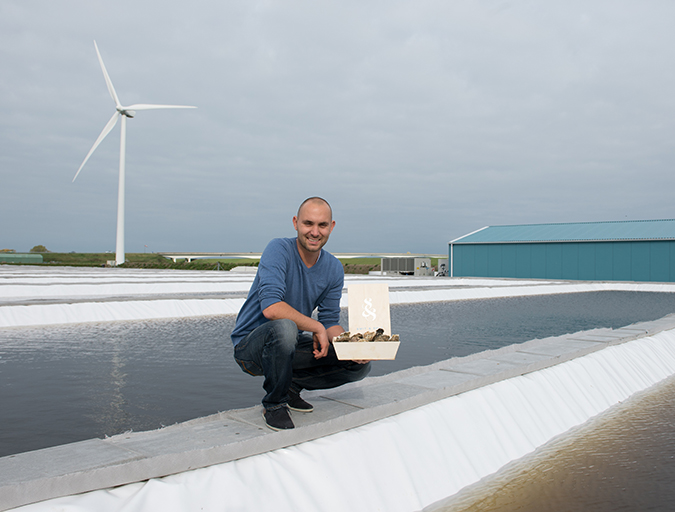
column 125, row 112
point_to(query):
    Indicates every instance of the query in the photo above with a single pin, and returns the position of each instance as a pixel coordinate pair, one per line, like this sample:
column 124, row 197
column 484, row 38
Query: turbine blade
column 108, row 82
column 145, row 106
column 106, row 130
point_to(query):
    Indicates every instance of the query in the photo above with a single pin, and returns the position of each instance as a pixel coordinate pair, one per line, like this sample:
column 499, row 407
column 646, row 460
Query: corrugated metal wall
column 601, row 261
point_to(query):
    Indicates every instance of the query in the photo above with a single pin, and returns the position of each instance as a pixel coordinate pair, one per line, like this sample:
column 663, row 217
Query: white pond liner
column 31, row 296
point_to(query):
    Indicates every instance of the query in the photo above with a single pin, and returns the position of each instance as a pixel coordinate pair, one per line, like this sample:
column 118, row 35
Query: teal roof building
column 590, row 251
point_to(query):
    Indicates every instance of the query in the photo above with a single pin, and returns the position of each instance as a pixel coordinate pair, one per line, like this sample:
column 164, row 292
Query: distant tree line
column 37, row 248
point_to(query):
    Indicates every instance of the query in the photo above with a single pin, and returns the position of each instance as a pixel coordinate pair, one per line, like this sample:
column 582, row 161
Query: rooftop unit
column 407, row 266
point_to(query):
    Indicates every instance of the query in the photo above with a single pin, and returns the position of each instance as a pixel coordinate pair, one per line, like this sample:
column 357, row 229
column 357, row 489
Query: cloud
column 419, row 121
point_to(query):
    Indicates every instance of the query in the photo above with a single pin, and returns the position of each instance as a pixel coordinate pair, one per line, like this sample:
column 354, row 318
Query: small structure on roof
column 406, row 266
column 641, row 250
column 23, row 258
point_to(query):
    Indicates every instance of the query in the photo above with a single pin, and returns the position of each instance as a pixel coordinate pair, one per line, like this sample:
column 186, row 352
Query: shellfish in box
column 369, row 336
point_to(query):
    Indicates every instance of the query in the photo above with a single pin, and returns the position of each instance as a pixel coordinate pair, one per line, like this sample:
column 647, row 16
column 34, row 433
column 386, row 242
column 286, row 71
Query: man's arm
column 322, row 336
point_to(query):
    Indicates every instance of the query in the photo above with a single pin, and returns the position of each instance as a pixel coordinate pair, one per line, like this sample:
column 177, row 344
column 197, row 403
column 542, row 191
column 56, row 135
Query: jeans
column 284, row 356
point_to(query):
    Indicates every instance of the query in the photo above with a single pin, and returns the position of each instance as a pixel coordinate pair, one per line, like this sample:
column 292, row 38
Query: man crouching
column 276, row 337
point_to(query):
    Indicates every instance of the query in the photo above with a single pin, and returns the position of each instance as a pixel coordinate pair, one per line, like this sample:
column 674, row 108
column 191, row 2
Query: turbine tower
column 120, row 112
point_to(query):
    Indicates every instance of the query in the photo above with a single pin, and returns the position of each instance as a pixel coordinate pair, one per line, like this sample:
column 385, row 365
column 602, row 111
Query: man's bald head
column 316, row 200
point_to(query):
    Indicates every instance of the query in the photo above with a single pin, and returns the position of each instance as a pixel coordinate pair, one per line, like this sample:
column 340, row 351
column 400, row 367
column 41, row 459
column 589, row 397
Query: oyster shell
column 377, row 335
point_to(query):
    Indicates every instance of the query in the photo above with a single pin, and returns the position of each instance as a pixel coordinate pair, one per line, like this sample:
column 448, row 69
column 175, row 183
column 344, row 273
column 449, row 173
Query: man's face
column 314, row 225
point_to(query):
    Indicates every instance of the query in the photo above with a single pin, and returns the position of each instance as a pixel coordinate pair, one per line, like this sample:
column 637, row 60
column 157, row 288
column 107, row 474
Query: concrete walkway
column 134, row 457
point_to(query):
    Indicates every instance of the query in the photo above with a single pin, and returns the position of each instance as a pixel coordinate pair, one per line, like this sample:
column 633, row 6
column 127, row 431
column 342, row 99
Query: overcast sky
column 420, row 121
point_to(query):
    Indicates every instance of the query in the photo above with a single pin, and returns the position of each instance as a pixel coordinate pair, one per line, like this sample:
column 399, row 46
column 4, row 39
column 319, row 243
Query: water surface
column 620, row 461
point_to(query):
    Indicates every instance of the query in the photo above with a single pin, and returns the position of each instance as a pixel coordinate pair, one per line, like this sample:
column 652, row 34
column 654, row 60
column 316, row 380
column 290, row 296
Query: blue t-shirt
column 283, row 276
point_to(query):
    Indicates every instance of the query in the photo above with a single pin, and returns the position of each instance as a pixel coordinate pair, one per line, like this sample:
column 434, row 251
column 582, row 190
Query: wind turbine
column 120, row 112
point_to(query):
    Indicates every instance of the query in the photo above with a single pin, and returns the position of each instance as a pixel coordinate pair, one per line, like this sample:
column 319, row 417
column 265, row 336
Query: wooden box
column 368, row 308
column 366, row 350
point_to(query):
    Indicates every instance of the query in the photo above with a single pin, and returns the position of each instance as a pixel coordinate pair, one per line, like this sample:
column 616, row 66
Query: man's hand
column 321, row 344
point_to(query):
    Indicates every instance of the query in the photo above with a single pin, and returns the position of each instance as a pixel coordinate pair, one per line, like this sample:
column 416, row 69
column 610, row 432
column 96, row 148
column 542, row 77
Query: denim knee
column 286, row 334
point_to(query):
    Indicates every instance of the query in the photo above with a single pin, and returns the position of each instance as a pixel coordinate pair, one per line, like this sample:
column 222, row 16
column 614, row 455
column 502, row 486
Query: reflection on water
column 112, row 414
column 68, row 383
column 623, row 460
